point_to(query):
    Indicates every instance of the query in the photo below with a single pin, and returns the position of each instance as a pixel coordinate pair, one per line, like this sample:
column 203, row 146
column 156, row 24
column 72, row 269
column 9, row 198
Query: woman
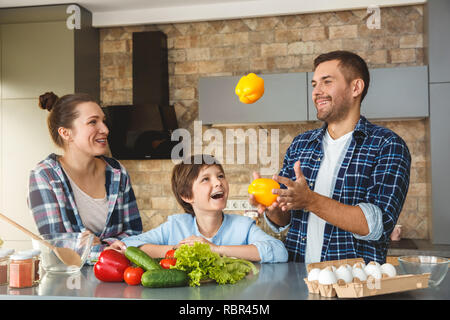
column 81, row 190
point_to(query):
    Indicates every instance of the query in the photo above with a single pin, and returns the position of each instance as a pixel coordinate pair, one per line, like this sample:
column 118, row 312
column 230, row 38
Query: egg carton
column 370, row 287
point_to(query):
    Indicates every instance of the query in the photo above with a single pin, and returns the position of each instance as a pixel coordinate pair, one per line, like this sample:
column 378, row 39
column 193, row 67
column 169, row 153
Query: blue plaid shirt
column 52, row 203
column 375, row 170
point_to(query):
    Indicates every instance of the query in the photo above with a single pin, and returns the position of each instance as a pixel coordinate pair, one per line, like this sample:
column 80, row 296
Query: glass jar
column 21, row 270
column 37, row 265
column 35, row 253
column 4, row 265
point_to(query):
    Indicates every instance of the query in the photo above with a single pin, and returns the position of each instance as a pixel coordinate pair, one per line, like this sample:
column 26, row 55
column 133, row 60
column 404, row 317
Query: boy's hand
column 193, row 239
column 118, row 246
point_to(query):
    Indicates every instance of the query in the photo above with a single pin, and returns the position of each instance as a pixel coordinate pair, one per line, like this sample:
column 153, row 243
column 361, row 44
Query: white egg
column 388, row 269
column 344, row 273
column 360, row 265
column 349, row 267
column 359, row 273
column 373, row 270
column 313, row 275
column 333, row 268
column 327, row 276
column 375, row 263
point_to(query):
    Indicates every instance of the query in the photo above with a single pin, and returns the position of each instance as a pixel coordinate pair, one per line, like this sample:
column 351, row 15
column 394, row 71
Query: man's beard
column 336, row 112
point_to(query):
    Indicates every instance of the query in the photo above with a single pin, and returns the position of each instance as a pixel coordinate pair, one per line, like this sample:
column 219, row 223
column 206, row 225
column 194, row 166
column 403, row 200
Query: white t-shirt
column 93, row 212
column 333, row 154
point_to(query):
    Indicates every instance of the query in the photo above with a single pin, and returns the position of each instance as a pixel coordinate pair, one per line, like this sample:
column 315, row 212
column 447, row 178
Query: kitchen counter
column 283, row 281
column 406, row 247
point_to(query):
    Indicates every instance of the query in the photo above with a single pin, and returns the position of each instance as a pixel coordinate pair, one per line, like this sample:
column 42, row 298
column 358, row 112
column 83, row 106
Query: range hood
column 143, row 130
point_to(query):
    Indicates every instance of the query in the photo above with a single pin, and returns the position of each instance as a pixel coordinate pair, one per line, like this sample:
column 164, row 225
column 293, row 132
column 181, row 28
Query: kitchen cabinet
column 38, row 53
column 284, row 100
column 394, row 93
column 438, row 24
column 440, row 154
column 400, row 92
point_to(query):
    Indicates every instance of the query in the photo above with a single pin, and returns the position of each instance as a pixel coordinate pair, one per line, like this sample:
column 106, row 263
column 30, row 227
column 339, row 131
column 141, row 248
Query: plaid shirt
column 52, row 203
column 375, row 170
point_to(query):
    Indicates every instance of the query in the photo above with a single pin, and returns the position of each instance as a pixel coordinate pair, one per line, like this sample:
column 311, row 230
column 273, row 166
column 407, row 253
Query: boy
column 202, row 190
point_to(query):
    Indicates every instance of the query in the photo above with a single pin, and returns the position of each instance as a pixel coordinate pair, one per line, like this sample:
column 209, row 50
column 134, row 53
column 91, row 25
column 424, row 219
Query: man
column 343, row 185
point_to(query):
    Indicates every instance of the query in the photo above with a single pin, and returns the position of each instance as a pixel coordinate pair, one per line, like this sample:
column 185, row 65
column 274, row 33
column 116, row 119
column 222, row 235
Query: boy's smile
column 209, row 190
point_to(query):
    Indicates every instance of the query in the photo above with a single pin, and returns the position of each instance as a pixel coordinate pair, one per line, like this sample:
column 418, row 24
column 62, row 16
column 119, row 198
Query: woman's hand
column 96, row 241
column 84, row 237
column 118, row 246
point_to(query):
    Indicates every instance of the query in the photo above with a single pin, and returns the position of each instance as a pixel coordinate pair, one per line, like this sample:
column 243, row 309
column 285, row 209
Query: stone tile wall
column 267, row 45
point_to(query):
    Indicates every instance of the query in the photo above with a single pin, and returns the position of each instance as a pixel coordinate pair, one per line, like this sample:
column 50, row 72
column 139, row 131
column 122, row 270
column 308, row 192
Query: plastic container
column 21, row 270
column 4, row 265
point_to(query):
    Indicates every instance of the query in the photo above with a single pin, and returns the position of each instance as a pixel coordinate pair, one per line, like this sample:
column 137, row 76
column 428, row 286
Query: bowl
column 81, row 243
column 416, row 264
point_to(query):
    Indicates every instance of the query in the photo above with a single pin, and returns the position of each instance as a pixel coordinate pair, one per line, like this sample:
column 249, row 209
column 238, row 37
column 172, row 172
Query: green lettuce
column 201, row 263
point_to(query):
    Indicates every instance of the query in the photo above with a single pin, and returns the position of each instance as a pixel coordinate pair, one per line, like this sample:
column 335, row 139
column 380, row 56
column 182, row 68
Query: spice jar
column 35, row 253
column 21, row 270
column 4, row 265
column 37, row 262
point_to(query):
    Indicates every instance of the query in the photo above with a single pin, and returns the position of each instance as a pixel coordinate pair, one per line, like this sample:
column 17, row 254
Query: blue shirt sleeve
column 374, row 218
column 270, row 250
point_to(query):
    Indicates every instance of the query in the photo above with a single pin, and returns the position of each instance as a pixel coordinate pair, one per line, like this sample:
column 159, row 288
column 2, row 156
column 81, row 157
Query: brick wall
column 267, row 45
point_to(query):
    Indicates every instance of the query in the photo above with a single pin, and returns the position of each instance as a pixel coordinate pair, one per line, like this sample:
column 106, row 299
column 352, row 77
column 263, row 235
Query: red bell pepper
column 110, row 266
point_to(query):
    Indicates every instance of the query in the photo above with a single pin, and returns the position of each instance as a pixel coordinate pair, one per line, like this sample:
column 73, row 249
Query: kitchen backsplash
column 268, row 45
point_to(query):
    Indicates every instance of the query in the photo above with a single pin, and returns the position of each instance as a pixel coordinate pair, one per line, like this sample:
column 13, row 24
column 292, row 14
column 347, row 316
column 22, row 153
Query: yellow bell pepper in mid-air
column 250, row 88
column 262, row 190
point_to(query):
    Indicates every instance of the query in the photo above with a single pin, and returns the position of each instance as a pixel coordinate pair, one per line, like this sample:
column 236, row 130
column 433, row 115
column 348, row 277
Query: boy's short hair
column 184, row 175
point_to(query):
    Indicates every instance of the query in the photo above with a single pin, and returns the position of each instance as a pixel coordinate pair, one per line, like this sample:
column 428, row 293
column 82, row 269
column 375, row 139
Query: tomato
column 166, row 263
column 170, row 254
column 250, row 88
column 132, row 275
column 262, row 190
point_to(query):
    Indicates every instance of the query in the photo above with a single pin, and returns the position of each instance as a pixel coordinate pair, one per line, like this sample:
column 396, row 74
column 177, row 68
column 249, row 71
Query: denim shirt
column 52, row 202
column 374, row 173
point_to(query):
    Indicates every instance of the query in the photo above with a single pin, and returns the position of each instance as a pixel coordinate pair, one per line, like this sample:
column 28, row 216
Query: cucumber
column 164, row 278
column 141, row 259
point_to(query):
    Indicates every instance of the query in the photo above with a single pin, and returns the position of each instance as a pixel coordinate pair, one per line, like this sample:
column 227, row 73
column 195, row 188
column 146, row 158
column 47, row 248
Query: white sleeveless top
column 93, row 212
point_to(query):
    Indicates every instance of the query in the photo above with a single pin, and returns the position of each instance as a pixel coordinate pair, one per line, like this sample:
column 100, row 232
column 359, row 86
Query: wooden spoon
column 66, row 255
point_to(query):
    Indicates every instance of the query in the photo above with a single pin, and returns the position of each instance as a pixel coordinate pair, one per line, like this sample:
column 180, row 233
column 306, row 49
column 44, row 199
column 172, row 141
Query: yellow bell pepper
column 262, row 190
column 250, row 88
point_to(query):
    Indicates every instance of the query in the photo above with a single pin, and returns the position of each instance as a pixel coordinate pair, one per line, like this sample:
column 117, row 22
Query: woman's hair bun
column 47, row 101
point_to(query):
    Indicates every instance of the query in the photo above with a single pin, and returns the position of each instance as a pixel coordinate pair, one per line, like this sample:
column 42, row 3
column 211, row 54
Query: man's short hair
column 351, row 64
column 184, row 175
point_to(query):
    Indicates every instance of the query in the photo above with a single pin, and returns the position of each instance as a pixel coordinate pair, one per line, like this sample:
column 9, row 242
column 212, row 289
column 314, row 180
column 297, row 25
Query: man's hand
column 297, row 195
column 261, row 208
